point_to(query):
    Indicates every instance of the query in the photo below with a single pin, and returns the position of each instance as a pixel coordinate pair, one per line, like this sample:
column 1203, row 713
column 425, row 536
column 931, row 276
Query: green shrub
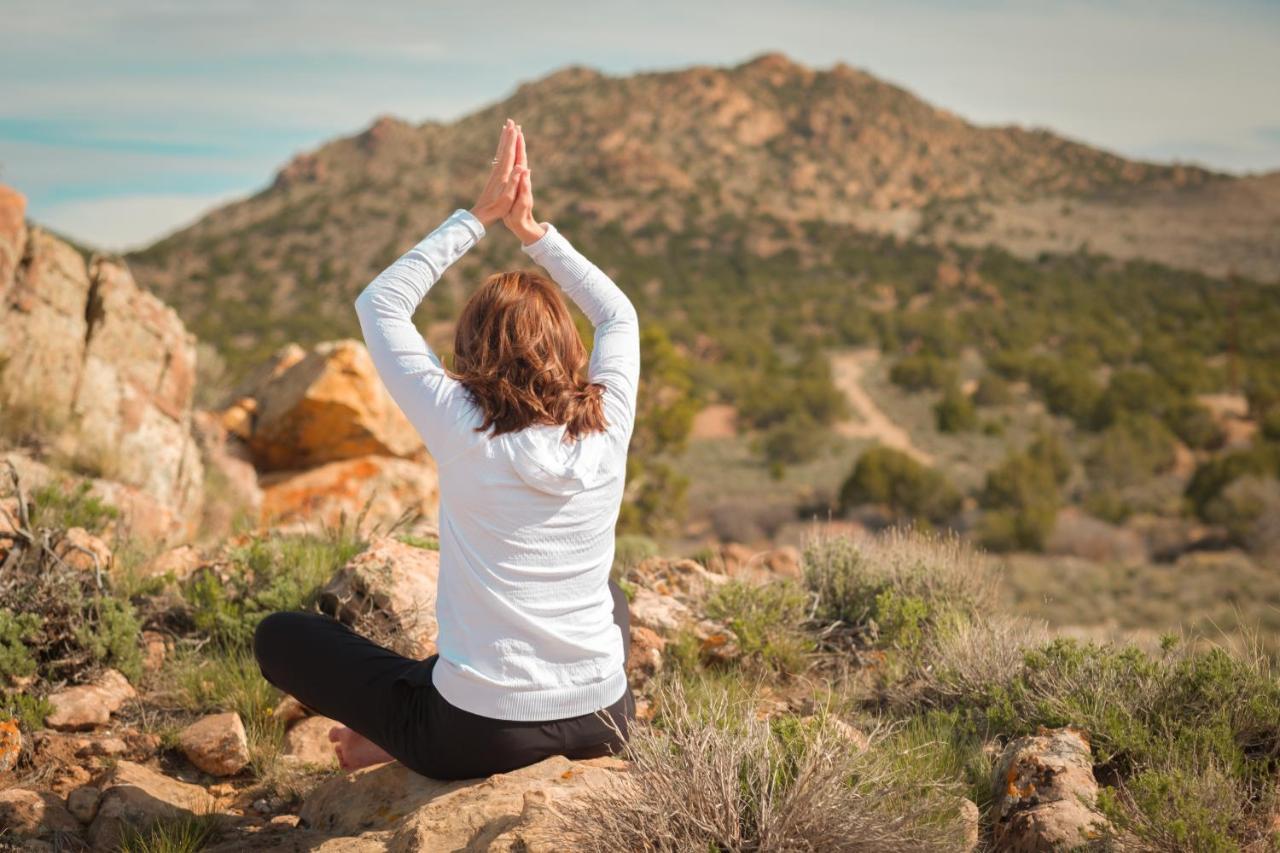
column 1134, row 448
column 993, row 390
column 30, row 711
column 891, row 478
column 898, row 587
column 955, row 412
column 1213, row 475
column 268, row 574
column 922, row 371
column 766, row 619
column 16, row 631
column 1022, row 496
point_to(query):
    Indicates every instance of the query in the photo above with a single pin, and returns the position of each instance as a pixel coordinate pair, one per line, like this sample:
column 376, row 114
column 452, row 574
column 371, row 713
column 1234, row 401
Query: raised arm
column 615, row 355
column 432, row 400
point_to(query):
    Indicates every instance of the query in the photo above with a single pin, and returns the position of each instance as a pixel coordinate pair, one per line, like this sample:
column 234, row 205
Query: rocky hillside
column 644, row 156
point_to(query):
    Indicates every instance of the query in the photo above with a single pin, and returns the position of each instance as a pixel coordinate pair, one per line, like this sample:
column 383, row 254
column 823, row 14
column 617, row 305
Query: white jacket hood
column 544, row 460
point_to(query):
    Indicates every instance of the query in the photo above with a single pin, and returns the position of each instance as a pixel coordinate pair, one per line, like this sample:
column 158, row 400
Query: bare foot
column 355, row 750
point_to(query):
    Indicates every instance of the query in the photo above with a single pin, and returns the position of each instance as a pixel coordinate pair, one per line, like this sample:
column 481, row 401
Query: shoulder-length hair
column 518, row 353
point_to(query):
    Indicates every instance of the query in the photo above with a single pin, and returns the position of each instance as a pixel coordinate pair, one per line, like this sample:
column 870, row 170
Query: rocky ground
column 110, row 762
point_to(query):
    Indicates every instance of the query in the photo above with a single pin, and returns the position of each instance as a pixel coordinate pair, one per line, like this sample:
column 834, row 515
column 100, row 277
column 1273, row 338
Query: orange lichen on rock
column 10, row 745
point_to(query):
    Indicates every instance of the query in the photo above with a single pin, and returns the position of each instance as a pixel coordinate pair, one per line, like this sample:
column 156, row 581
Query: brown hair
column 518, row 353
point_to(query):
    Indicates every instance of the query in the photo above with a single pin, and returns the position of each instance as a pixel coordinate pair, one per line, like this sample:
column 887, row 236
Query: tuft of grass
column 182, row 833
column 712, row 777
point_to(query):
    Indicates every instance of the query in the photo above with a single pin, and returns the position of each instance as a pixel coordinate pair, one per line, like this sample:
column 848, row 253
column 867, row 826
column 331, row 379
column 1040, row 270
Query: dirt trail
column 871, row 421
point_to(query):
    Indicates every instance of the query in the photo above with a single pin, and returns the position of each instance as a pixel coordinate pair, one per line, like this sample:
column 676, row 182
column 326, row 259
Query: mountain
column 646, row 155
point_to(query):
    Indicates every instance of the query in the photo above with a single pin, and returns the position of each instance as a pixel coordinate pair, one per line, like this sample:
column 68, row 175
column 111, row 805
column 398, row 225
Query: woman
column 533, row 635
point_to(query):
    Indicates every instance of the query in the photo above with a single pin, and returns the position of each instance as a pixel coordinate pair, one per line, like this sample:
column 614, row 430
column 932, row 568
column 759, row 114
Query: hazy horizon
column 129, row 122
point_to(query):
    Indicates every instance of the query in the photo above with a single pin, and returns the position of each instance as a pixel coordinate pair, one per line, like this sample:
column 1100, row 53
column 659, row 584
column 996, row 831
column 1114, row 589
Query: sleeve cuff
column 540, row 245
column 466, row 217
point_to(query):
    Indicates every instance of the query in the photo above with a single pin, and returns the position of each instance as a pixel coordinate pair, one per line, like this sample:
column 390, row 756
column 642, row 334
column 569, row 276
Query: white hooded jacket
column 526, row 518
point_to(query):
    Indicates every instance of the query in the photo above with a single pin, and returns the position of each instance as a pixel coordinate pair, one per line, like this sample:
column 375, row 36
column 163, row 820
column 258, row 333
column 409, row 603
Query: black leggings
column 390, row 700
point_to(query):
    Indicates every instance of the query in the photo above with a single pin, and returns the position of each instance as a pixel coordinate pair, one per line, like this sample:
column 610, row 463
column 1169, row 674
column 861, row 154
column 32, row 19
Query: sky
column 124, row 120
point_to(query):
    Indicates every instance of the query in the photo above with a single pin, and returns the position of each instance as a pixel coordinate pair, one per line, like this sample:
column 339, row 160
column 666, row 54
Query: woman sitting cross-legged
column 533, row 634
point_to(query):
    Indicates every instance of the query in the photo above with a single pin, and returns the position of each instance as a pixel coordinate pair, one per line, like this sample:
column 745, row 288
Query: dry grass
column 712, row 776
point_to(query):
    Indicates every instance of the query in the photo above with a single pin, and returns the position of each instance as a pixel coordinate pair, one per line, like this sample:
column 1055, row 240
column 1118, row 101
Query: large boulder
column 327, row 406
column 388, row 486
column 136, row 387
column 504, row 812
column 101, row 371
column 1044, row 794
column 388, row 592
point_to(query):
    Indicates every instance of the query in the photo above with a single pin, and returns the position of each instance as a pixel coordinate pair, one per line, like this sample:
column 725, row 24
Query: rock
column 1045, row 795
column 302, row 500
column 856, row 737
column 289, row 711
column 217, row 744
column 28, row 813
column 718, row 643
column 89, row 705
column 425, row 814
column 83, row 803
column 308, row 742
column 10, row 745
column 328, row 406
column 181, row 562
column 971, row 822
column 388, row 593
column 687, row 580
column 134, row 795
column 739, row 561
column 645, row 660
column 13, row 234
column 662, row 614
column 155, row 648
column 232, row 492
column 136, row 389
column 100, row 369
column 81, row 550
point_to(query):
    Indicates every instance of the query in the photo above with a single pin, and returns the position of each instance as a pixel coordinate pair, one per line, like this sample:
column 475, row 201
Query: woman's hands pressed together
column 508, row 193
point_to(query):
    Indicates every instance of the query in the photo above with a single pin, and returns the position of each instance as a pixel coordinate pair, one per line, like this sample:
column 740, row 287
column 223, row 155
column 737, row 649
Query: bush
column 267, row 574
column 897, row 588
column 1213, row 475
column 993, row 390
column 1133, row 449
column 891, row 478
column 1249, row 507
column 766, row 619
column 1022, row 496
column 955, row 411
column 922, row 371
